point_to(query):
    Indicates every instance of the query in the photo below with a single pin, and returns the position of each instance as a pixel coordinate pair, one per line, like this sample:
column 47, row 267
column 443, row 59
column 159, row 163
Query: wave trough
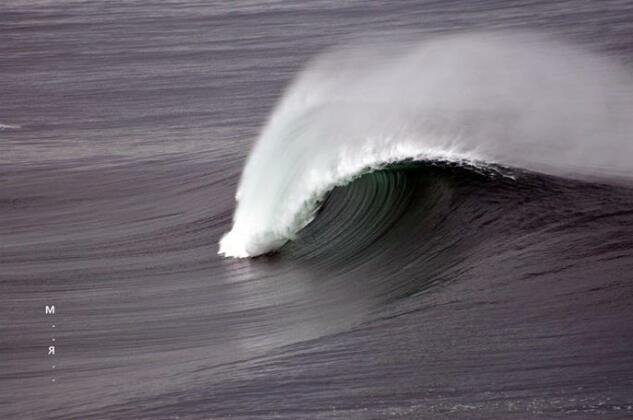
column 509, row 99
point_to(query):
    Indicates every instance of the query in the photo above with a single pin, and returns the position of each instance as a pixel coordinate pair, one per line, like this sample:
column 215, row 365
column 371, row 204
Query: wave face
column 515, row 100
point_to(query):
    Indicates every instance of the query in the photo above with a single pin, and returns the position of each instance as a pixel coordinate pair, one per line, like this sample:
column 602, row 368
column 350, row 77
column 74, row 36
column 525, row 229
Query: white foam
column 513, row 99
column 9, row 127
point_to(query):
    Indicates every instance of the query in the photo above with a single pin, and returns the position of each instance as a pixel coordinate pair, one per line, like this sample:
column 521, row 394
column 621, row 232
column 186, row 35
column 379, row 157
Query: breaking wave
column 513, row 100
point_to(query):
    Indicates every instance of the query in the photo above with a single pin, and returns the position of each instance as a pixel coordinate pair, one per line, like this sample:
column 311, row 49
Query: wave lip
column 248, row 238
column 513, row 100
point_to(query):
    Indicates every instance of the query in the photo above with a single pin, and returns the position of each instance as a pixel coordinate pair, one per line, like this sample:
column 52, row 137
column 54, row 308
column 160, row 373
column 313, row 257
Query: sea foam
column 512, row 99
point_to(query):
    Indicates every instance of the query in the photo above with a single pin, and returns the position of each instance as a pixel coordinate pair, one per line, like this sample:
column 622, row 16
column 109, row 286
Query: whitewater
column 512, row 99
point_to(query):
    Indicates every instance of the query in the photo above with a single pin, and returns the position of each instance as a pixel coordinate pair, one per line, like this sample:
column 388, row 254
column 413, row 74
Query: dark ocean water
column 419, row 291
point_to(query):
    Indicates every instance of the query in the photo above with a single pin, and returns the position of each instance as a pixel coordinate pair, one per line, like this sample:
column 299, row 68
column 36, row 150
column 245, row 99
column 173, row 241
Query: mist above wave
column 512, row 99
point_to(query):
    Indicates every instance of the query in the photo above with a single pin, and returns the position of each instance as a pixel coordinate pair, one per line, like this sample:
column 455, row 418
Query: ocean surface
column 434, row 214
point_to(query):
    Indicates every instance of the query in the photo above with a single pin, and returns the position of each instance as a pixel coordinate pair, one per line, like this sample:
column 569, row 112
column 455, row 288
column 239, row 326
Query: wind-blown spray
column 511, row 99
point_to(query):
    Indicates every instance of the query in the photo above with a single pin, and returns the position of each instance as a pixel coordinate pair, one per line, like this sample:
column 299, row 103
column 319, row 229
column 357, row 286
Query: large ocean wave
column 515, row 100
column 444, row 261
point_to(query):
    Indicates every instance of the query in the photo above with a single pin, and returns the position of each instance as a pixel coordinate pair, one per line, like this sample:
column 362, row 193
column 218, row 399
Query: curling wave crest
column 511, row 99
